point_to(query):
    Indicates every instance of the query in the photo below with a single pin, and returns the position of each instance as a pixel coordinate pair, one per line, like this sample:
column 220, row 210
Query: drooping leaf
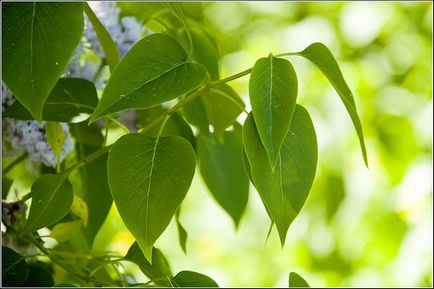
column 108, row 45
column 296, row 280
column 285, row 190
column 195, row 113
column 38, row 40
column 95, row 191
column 68, row 98
column 51, row 201
column 182, row 233
column 273, row 91
column 56, row 138
column 62, row 232
column 14, row 268
column 149, row 177
column 221, row 166
column 193, row 279
column 38, row 277
column 159, row 271
column 156, row 69
column 321, row 56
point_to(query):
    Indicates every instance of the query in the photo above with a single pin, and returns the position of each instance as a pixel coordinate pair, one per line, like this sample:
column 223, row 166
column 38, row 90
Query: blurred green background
column 359, row 227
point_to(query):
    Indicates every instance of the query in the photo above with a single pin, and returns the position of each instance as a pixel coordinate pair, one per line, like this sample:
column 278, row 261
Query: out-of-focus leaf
column 38, row 277
column 14, row 268
column 193, row 279
column 62, row 232
column 182, row 233
column 296, row 280
column 38, row 40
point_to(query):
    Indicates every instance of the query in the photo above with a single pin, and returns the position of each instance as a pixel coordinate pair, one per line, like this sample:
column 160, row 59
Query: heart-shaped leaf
column 149, row 177
column 156, row 69
column 284, row 190
column 38, row 40
column 273, row 92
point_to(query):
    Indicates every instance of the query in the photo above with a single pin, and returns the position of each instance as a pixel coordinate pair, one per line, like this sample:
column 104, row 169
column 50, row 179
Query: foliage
column 117, row 116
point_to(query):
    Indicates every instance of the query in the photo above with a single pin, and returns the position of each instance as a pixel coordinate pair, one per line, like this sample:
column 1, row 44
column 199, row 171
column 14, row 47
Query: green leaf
column 273, row 92
column 51, row 201
column 296, row 280
column 38, row 40
column 205, row 50
column 195, row 113
column 193, row 279
column 149, row 177
column 56, row 138
column 14, row 268
column 159, row 271
column 285, row 190
column 94, row 183
column 182, row 233
column 176, row 10
column 38, row 277
column 65, row 285
column 108, row 45
column 321, row 56
column 156, row 69
column 69, row 98
column 221, row 166
column 63, row 232
column 143, row 11
column 247, row 165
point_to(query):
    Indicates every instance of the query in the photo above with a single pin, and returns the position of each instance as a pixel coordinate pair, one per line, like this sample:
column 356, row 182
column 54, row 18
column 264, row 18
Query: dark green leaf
column 108, row 45
column 193, row 279
column 296, row 280
column 195, row 113
column 221, row 166
column 69, row 98
column 159, row 271
column 38, row 277
column 205, row 50
column 321, row 56
column 38, row 40
column 65, row 285
column 143, row 80
column 182, row 233
column 285, row 190
column 149, row 177
column 14, row 268
column 51, row 201
column 94, row 183
column 273, row 92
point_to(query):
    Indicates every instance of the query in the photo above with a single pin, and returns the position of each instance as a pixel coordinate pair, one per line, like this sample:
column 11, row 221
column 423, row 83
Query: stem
column 121, row 125
column 99, row 70
column 230, row 78
column 14, row 163
column 286, row 54
column 26, row 197
column 89, row 158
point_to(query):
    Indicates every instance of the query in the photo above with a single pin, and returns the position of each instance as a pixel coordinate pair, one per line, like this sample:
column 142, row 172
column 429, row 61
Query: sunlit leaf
column 182, row 233
column 38, row 40
column 156, row 69
column 296, row 280
column 62, row 232
column 273, row 91
column 285, row 190
column 56, row 138
column 14, row 268
column 193, row 279
column 149, row 177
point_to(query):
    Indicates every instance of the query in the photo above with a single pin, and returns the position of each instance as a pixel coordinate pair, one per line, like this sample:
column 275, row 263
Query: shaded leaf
column 68, row 98
column 182, row 233
column 193, row 279
column 321, row 56
column 221, row 166
column 149, row 177
column 285, row 190
column 51, row 201
column 38, row 277
column 38, row 40
column 14, row 268
column 273, row 92
column 296, row 280
column 159, row 271
column 163, row 73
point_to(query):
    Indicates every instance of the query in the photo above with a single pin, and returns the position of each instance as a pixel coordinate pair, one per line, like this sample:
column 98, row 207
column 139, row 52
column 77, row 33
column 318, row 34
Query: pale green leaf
column 296, row 280
column 149, row 177
column 284, row 190
column 79, row 208
column 321, row 56
column 51, row 201
column 273, row 92
column 193, row 279
column 38, row 40
column 63, row 232
column 56, row 138
column 156, row 69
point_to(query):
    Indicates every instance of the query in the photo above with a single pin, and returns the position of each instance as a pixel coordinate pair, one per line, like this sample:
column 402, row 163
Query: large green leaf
column 193, row 279
column 156, row 69
column 159, row 271
column 38, row 40
column 285, row 190
column 108, row 45
column 69, row 98
column 296, row 280
column 221, row 166
column 14, row 268
column 149, row 177
column 51, row 201
column 273, row 92
column 321, row 56
column 38, row 277
column 94, row 183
